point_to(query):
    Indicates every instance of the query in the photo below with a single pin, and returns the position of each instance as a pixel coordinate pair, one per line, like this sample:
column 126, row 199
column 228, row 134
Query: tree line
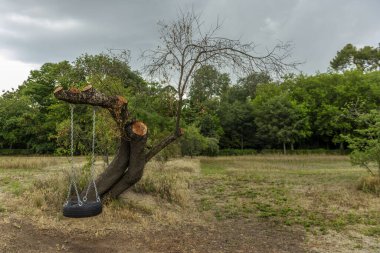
column 324, row 110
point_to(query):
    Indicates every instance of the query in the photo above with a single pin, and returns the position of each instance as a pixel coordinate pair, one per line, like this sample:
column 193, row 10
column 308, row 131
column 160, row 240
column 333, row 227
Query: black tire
column 87, row 209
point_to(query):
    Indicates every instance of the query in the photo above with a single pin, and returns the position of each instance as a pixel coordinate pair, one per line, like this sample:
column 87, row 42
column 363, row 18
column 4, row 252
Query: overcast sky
column 33, row 32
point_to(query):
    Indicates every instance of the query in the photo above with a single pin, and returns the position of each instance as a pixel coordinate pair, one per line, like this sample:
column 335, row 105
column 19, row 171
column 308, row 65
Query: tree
column 17, row 121
column 207, row 83
column 365, row 141
column 237, row 121
column 206, row 89
column 331, row 99
column 184, row 49
column 349, row 57
column 278, row 119
column 246, row 86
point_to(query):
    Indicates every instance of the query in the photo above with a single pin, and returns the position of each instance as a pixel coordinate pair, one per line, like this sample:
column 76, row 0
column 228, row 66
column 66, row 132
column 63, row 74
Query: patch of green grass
column 2, row 209
column 205, row 204
column 317, row 192
column 5, row 180
column 373, row 231
column 15, row 187
column 11, row 184
column 209, row 168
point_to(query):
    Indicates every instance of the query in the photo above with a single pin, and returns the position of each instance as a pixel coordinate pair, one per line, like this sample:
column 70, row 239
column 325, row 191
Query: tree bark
column 284, row 147
column 128, row 165
column 116, row 169
column 341, row 147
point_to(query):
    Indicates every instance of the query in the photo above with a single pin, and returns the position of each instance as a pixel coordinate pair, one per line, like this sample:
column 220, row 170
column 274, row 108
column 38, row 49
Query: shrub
column 365, row 142
column 193, row 143
column 173, row 150
column 210, row 147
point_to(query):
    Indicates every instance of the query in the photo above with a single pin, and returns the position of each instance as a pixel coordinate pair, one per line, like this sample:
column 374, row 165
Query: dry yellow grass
column 315, row 192
column 170, row 180
column 45, row 191
column 30, row 162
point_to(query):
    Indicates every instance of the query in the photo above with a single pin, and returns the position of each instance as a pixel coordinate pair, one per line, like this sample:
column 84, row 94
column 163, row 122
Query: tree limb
column 116, row 105
column 162, row 144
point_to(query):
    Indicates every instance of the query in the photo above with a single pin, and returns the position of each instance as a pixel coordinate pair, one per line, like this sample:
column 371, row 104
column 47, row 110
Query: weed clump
column 370, row 184
column 48, row 193
column 170, row 187
column 169, row 181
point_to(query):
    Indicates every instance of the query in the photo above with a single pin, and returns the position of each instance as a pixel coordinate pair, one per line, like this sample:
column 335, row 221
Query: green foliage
column 210, row 147
column 237, row 121
column 246, row 87
column 365, row 141
column 210, row 126
column 279, row 119
column 316, row 111
column 366, row 58
column 193, row 143
column 207, row 83
column 171, row 151
column 31, row 117
column 332, row 101
column 18, row 121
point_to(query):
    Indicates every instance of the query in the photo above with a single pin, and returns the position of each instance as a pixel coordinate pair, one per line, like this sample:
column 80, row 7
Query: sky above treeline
column 33, row 32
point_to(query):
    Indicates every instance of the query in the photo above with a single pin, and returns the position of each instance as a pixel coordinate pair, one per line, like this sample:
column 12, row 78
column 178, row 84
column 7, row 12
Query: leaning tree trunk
column 127, row 167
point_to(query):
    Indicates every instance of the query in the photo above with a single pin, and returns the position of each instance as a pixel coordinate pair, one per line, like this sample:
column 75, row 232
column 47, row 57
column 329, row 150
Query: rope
column 73, row 183
column 93, row 160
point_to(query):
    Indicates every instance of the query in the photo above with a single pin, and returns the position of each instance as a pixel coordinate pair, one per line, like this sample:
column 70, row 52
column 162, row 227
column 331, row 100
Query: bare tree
column 184, row 48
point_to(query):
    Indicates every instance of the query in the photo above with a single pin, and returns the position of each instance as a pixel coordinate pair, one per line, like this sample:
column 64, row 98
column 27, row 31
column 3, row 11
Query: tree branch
column 162, row 144
column 116, row 105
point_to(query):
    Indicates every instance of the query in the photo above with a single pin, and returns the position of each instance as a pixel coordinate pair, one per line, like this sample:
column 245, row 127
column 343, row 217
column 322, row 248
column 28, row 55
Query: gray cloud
column 50, row 30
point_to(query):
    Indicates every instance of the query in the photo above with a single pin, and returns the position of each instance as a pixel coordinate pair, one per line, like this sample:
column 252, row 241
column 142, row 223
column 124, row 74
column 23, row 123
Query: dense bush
column 210, row 147
column 193, row 143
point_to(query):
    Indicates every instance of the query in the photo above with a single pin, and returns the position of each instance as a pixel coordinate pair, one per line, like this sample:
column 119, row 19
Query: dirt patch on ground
column 224, row 236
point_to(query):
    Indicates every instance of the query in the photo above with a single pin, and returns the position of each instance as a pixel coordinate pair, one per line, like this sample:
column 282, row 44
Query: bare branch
column 186, row 46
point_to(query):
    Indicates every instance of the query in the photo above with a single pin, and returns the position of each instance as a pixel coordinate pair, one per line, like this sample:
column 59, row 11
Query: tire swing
column 75, row 206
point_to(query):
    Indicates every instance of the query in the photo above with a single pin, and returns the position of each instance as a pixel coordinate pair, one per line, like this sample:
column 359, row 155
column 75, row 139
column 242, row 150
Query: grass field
column 261, row 203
